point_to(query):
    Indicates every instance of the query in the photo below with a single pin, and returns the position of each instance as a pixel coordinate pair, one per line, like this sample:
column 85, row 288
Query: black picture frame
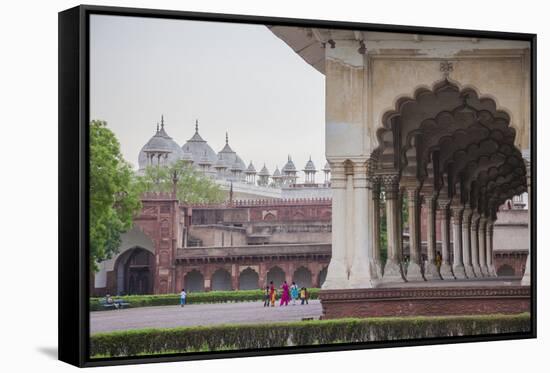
column 74, row 269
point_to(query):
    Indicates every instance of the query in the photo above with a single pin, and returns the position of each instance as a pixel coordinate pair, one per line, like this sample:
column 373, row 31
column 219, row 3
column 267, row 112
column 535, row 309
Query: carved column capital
column 360, row 174
column 375, row 186
column 391, row 185
column 443, row 204
column 338, row 175
column 431, row 201
column 456, row 213
column 413, row 197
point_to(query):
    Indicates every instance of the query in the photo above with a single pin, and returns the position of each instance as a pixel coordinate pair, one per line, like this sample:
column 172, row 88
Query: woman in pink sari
column 285, row 296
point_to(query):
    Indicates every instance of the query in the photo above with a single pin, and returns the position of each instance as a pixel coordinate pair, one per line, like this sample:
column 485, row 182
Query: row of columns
column 356, row 220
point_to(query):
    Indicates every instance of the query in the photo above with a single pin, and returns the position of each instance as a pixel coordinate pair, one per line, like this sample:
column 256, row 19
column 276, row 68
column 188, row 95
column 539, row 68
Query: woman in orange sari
column 272, row 294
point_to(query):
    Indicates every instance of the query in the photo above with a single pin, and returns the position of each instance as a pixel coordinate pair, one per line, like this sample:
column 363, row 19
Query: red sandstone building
column 241, row 245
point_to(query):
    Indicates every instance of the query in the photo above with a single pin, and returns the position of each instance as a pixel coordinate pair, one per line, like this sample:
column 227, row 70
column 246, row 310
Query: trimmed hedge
column 192, row 297
column 299, row 333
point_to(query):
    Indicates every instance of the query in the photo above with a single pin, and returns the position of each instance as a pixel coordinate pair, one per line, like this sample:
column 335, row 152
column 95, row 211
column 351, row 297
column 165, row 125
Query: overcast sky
column 231, row 77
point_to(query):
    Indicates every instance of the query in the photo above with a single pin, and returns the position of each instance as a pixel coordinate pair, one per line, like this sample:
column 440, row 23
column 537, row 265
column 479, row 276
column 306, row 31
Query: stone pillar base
column 484, row 271
column 469, row 271
column 492, row 271
column 376, row 269
column 393, row 272
column 459, row 271
column 431, row 272
column 477, row 271
column 360, row 275
column 414, row 272
column 446, row 272
column 336, row 276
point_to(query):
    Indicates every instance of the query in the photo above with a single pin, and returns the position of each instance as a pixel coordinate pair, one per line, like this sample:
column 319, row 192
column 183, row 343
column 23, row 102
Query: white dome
column 199, row 148
column 160, row 143
column 230, row 157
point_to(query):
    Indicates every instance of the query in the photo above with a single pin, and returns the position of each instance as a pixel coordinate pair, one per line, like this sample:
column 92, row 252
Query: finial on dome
column 157, row 126
column 289, row 157
column 196, row 126
column 162, row 121
column 226, row 138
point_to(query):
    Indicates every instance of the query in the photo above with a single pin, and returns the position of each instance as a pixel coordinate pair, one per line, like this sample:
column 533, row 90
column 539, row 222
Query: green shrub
column 192, row 297
column 300, row 333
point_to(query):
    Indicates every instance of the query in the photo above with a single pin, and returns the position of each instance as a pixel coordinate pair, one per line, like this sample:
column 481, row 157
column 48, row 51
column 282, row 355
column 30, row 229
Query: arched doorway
column 505, row 270
column 221, row 280
column 134, row 271
column 248, row 279
column 322, row 276
column 193, row 281
column 277, row 275
column 302, row 277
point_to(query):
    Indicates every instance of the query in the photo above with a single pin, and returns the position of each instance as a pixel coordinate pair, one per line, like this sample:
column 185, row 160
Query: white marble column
column 375, row 193
column 443, row 211
column 482, row 246
column 474, row 244
column 392, row 270
column 458, row 264
column 431, row 272
column 337, row 272
column 360, row 270
column 489, row 248
column 466, row 247
column 414, row 271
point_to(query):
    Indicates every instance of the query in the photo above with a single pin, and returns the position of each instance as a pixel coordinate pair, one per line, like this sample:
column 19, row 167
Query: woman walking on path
column 272, row 293
column 285, row 296
column 294, row 292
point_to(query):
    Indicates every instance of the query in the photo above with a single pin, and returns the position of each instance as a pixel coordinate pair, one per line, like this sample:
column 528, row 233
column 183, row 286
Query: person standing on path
column 272, row 293
column 285, row 295
column 294, row 292
column 183, row 297
column 267, row 292
column 304, row 295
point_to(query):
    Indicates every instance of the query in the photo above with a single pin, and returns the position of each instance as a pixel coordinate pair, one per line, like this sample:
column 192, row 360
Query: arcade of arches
column 449, row 152
column 250, row 277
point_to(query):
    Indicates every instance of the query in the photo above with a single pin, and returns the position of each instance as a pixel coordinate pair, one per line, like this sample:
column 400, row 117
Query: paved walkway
column 199, row 314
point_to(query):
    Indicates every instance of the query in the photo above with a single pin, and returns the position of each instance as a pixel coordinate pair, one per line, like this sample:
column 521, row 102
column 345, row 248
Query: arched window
column 194, row 281
column 302, row 277
column 248, row 279
column 277, row 275
column 221, row 280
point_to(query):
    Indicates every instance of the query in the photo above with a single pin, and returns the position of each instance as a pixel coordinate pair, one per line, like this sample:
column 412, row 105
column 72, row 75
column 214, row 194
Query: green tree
column 191, row 185
column 114, row 196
